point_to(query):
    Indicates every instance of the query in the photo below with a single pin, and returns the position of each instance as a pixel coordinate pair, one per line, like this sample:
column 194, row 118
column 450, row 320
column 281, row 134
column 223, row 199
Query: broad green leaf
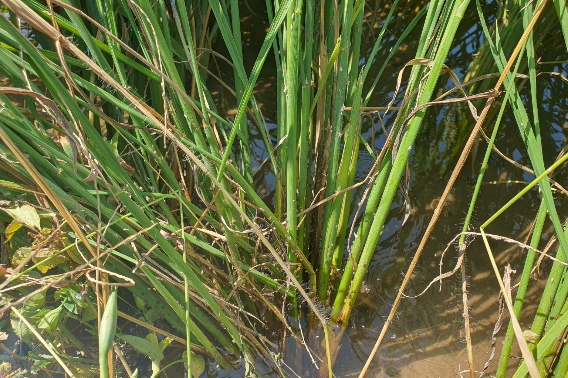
column 25, row 214
column 153, row 338
column 72, row 300
column 197, row 364
column 21, row 330
column 90, row 313
column 36, row 302
column 51, row 319
column 143, row 346
column 140, row 304
column 20, row 255
column 152, row 315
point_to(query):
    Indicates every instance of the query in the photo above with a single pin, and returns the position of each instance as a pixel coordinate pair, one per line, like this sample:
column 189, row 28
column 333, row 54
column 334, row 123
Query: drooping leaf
column 42, row 257
column 12, row 228
column 164, row 343
column 19, row 239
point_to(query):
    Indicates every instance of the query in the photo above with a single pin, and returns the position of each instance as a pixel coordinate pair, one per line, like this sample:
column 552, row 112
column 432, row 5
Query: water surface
column 427, row 337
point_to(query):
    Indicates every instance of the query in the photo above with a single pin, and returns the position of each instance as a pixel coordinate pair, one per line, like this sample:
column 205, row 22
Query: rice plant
column 116, row 160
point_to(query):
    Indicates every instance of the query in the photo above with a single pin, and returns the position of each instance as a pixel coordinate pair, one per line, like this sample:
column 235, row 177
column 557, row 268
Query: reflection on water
column 427, row 337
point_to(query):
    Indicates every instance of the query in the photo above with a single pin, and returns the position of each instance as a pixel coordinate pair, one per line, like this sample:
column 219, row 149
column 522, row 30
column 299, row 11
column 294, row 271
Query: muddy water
column 427, row 338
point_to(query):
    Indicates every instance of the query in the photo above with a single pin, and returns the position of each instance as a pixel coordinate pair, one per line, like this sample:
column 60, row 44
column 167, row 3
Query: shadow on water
column 427, row 338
